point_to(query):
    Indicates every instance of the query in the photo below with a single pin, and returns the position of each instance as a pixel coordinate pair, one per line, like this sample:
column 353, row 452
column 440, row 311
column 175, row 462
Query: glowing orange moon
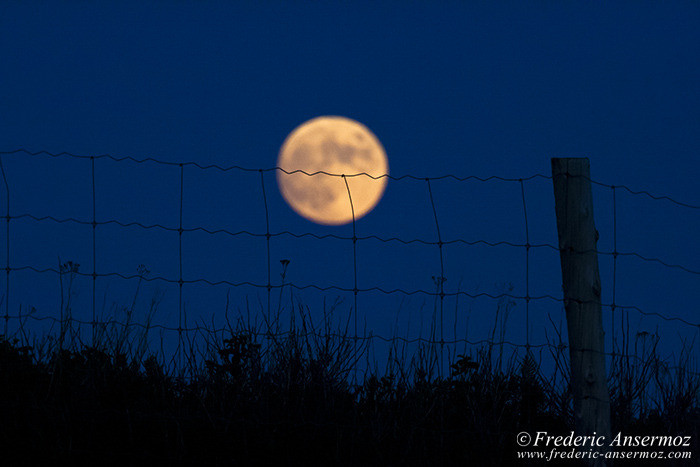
column 335, row 145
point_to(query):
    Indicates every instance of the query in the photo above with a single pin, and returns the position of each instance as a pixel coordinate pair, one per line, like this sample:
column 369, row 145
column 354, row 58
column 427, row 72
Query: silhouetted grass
column 251, row 398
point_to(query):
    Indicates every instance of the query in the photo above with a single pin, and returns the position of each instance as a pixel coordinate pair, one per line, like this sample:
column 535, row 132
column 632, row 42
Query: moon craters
column 332, row 145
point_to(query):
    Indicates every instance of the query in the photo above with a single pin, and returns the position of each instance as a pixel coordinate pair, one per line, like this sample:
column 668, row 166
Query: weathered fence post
column 582, row 291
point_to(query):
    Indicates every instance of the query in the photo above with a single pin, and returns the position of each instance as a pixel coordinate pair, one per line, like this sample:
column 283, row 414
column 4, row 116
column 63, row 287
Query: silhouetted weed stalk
column 269, row 392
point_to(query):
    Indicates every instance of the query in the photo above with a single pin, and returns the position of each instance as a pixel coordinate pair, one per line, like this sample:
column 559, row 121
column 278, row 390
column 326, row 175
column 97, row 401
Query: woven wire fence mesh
column 93, row 233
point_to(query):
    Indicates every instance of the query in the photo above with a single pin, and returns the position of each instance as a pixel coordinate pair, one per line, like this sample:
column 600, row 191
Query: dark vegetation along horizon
column 253, row 397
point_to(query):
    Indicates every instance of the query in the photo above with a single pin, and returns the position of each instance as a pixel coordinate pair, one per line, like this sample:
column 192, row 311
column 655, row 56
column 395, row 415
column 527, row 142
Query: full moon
column 337, row 146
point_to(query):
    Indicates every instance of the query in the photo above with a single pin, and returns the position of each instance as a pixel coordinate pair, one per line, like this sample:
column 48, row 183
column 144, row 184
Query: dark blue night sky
column 469, row 89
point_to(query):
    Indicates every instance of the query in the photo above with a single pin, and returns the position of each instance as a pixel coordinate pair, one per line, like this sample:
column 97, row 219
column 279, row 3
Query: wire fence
column 619, row 315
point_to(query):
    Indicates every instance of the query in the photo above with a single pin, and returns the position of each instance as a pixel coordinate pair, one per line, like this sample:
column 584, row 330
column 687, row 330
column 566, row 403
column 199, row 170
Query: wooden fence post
column 582, row 291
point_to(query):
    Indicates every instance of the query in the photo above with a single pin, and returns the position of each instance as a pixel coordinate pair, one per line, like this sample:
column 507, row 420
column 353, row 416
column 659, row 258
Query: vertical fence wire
column 7, row 248
column 527, row 268
column 267, row 240
column 441, row 288
column 440, row 283
column 614, row 274
column 180, row 281
column 354, row 252
column 354, row 267
column 94, row 249
column 268, row 324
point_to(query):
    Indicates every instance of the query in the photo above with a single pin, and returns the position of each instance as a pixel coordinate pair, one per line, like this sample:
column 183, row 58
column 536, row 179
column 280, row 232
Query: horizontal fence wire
column 440, row 242
column 388, row 176
column 341, row 237
column 336, row 288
